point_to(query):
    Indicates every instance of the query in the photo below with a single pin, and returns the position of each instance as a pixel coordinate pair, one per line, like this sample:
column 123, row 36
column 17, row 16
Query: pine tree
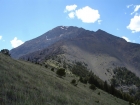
column 106, row 87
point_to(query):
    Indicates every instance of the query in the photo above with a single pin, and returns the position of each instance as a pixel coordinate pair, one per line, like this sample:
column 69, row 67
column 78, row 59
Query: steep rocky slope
column 101, row 51
column 45, row 40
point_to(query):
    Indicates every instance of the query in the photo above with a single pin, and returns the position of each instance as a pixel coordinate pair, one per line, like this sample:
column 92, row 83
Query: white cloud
column 137, row 7
column 134, row 25
column 87, row 14
column 126, row 38
column 15, row 42
column 71, row 15
column 0, row 37
column 99, row 21
column 128, row 6
column 70, row 8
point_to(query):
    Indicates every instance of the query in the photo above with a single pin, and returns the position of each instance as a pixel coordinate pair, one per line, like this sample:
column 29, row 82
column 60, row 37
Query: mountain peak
column 60, row 33
column 68, row 27
column 100, row 31
column 63, row 27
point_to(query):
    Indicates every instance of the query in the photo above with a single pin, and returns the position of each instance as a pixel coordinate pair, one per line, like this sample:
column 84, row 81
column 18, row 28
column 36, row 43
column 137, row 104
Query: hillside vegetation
column 127, row 81
column 24, row 83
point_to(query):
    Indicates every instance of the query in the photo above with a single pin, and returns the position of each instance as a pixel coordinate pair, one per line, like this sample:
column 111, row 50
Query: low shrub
column 52, row 69
column 92, row 86
column 73, row 81
column 61, row 72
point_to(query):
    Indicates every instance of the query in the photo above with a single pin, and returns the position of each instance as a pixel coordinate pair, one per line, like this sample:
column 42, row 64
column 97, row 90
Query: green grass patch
column 24, row 83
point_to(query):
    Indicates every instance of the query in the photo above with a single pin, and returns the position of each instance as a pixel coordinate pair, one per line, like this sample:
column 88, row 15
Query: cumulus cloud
column 70, row 7
column 0, row 37
column 71, row 15
column 87, row 14
column 134, row 25
column 15, row 42
column 126, row 38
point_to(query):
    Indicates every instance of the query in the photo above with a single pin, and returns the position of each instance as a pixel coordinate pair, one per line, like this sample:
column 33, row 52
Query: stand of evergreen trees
column 123, row 76
column 89, row 77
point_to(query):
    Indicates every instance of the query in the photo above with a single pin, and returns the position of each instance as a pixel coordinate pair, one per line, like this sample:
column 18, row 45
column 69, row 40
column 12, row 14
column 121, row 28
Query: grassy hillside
column 24, row 83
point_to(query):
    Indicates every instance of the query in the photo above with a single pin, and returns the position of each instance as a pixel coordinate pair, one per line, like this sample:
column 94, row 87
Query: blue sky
column 22, row 20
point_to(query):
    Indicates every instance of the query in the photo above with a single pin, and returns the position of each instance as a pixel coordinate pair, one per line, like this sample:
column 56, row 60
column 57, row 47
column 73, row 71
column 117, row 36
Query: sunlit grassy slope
column 24, row 83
